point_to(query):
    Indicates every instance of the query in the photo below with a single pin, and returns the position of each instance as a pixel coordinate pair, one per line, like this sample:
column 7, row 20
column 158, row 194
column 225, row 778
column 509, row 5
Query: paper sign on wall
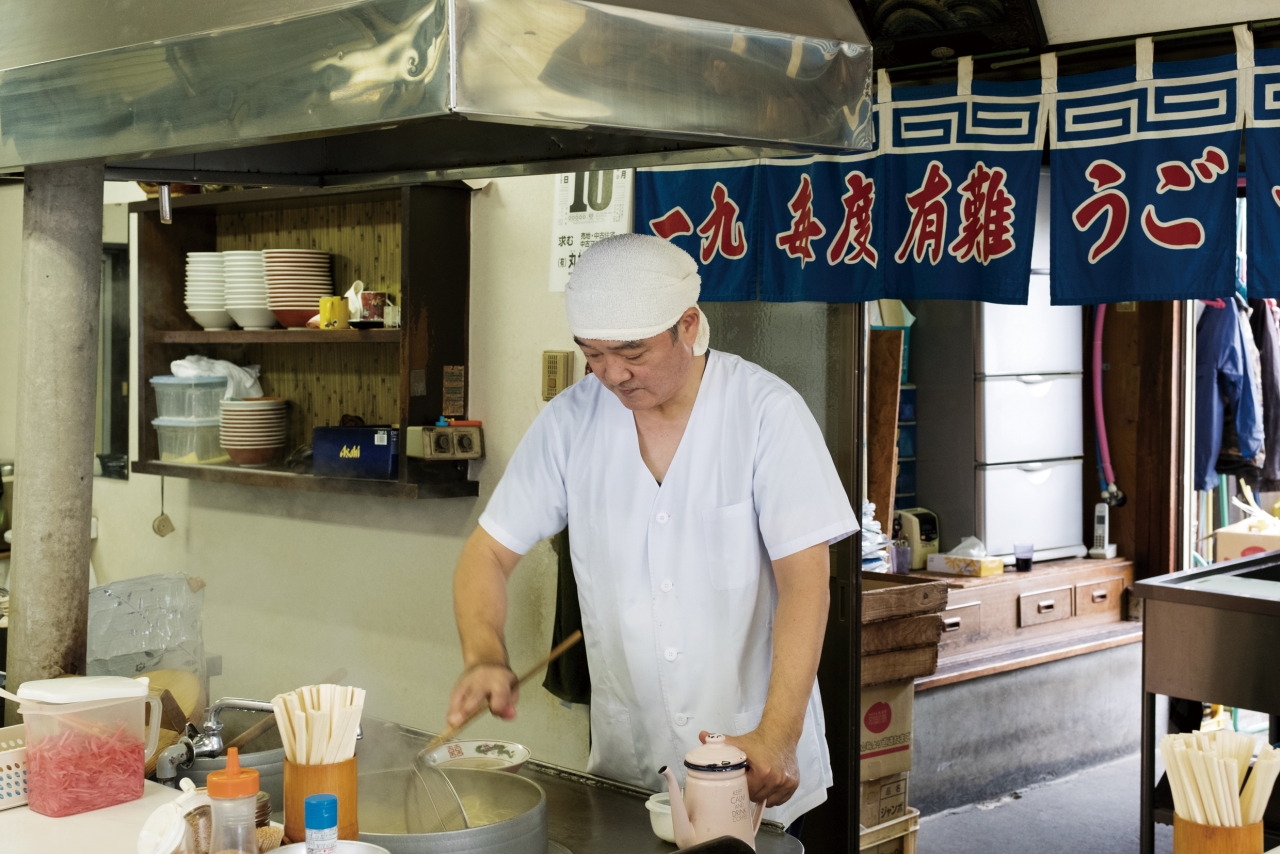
column 589, row 206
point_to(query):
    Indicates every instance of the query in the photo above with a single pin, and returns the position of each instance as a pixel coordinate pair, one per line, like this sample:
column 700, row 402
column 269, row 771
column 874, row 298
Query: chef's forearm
column 480, row 598
column 799, row 625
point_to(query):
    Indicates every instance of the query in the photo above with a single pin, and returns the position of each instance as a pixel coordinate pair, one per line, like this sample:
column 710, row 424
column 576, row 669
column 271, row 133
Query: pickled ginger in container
column 87, row 741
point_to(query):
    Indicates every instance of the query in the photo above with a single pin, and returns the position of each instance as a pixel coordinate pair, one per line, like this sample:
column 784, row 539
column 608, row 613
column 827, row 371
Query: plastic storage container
column 184, row 441
column 192, row 398
column 87, row 742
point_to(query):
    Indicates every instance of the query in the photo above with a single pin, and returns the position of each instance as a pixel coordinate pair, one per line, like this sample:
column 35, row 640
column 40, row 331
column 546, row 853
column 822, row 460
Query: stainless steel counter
column 585, row 814
column 1209, row 635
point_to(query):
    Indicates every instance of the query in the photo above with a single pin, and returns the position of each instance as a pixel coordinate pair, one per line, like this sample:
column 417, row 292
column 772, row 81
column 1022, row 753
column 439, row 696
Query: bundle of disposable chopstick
column 1207, row 774
column 318, row 723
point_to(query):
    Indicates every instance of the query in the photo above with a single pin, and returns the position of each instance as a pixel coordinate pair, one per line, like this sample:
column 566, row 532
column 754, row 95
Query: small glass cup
column 900, row 557
column 1022, row 556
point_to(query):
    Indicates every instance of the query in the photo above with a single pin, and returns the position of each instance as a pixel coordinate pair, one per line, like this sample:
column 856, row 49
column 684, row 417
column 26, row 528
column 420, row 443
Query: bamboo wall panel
column 363, row 237
column 323, row 382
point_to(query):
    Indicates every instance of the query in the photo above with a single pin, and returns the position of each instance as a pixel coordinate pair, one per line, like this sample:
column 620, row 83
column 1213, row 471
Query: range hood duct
column 287, row 87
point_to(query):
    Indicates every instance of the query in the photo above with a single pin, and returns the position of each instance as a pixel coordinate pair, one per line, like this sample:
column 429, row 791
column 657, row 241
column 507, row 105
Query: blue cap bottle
column 321, row 820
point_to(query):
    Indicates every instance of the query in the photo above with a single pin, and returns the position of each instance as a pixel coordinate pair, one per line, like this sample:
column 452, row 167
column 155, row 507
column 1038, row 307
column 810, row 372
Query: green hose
column 1223, row 503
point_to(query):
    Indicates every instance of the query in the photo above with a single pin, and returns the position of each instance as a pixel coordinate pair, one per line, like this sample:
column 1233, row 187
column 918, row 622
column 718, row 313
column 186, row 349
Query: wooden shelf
column 279, row 336
column 280, row 479
column 1019, row 654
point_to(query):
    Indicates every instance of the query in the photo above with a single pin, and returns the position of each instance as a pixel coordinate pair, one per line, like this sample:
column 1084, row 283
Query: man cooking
column 701, row 501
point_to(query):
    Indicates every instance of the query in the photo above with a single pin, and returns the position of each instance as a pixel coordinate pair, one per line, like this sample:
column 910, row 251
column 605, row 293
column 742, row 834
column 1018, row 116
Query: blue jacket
column 1223, row 382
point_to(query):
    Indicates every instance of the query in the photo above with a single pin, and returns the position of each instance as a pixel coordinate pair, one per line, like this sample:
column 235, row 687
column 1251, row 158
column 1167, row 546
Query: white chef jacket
column 675, row 580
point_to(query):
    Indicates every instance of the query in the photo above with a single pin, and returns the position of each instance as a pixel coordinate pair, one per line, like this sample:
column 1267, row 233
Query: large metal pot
column 382, row 814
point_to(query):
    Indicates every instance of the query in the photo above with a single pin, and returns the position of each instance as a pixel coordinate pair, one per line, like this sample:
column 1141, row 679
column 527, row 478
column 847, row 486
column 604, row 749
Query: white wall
column 300, row 585
column 1083, row 20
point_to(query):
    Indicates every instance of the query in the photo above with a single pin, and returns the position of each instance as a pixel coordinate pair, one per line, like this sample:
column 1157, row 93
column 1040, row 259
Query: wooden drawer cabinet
column 1014, row 608
column 961, row 623
column 1044, row 606
column 1099, row 597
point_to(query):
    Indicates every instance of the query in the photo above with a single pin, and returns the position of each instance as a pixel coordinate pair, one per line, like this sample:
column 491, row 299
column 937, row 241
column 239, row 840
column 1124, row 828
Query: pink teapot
column 715, row 802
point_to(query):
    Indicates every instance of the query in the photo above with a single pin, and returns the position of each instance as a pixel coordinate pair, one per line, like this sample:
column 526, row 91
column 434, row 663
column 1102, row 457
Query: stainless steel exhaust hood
column 292, row 91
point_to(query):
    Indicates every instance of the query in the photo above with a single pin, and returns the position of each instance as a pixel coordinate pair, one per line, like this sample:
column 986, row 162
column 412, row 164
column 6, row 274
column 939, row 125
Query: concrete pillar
column 57, row 392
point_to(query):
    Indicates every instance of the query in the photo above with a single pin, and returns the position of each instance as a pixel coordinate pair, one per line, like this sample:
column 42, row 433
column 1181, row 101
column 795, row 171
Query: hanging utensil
column 162, row 524
column 431, row 804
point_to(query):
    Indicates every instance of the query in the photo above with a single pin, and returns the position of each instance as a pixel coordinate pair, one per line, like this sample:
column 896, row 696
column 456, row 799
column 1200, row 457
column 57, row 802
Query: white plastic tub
column 195, row 398
column 190, row 441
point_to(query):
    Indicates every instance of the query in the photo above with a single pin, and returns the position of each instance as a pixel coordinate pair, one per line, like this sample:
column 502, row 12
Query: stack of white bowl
column 254, row 431
column 297, row 279
column 246, row 297
column 206, row 290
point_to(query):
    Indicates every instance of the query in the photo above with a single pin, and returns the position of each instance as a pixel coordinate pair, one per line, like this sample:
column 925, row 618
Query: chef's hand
column 480, row 685
column 773, row 774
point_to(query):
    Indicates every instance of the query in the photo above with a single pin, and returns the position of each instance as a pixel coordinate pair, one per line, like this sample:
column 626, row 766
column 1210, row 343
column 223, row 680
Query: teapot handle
column 759, row 816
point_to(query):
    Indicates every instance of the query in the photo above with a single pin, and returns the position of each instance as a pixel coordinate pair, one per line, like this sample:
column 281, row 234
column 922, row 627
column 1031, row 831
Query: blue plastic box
column 906, row 441
column 906, row 402
column 906, row 482
column 371, row 453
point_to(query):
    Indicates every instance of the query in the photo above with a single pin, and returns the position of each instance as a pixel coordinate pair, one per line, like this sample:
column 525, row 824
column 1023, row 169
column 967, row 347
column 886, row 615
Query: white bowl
column 252, row 317
column 210, row 318
column 659, row 806
column 277, row 431
column 487, row 754
column 253, row 405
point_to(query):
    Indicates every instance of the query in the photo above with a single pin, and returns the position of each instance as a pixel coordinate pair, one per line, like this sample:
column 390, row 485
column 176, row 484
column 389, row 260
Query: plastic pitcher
column 87, row 741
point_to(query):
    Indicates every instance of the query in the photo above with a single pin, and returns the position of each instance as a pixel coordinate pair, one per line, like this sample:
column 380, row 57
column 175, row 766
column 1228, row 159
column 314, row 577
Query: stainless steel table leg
column 1147, row 831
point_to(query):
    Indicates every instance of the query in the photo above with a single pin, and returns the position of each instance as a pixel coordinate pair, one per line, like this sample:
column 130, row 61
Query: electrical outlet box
column 557, row 372
column 445, row 443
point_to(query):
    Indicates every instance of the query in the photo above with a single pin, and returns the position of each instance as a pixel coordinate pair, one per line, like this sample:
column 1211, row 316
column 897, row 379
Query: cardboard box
column 973, row 566
column 885, row 730
column 1245, row 539
column 883, row 800
column 363, row 452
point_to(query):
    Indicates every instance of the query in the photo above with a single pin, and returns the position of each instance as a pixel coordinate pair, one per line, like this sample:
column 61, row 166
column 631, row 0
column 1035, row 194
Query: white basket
column 13, row 766
column 896, row 835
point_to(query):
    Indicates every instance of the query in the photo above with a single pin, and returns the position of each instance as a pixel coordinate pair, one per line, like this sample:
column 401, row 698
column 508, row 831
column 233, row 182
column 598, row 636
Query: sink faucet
column 209, row 742
column 206, row 742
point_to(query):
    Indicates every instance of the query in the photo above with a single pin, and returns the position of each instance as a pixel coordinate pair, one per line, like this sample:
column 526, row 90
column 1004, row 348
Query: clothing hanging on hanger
column 1227, row 380
column 1266, row 334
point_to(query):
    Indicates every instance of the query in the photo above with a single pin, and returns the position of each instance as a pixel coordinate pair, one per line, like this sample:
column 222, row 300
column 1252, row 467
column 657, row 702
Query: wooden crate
column 901, row 625
column 892, row 837
column 885, row 596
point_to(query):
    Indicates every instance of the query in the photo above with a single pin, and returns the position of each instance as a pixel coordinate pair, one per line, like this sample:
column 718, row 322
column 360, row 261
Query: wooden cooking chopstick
column 452, row 732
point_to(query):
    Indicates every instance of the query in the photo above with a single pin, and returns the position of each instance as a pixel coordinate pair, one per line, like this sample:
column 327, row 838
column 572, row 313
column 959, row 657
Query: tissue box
column 885, row 730
column 1244, row 539
column 979, row 567
column 363, row 452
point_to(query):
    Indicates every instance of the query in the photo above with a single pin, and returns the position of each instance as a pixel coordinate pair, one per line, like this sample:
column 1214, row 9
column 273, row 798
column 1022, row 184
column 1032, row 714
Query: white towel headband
column 632, row 286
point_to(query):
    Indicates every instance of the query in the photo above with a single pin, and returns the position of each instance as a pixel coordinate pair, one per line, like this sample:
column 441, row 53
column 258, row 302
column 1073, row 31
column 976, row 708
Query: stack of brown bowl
column 297, row 279
column 254, row 431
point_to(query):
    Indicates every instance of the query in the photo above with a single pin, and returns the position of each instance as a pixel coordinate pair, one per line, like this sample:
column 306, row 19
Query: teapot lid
column 715, row 755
